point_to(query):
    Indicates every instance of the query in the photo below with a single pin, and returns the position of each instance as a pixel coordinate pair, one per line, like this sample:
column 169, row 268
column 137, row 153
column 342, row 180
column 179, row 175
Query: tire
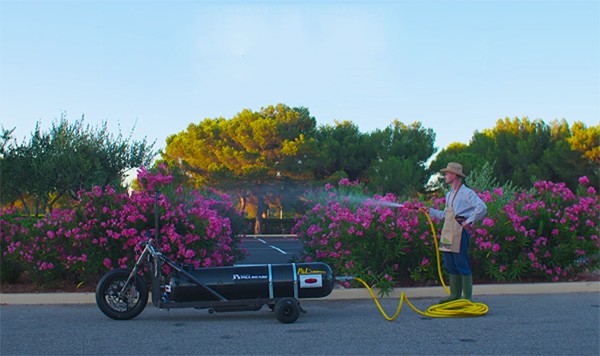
column 126, row 306
column 287, row 310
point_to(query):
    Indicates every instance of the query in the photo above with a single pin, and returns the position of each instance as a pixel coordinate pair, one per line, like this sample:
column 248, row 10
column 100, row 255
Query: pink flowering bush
column 548, row 233
column 104, row 229
column 366, row 238
column 11, row 225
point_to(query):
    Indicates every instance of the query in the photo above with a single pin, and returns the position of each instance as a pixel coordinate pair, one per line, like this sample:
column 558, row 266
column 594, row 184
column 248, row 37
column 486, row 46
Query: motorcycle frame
column 151, row 255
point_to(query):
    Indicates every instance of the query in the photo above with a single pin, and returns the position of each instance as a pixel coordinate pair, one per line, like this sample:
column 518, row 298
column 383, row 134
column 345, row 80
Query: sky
column 150, row 68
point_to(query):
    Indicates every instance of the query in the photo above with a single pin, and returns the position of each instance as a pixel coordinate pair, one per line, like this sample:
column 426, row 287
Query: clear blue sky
column 455, row 66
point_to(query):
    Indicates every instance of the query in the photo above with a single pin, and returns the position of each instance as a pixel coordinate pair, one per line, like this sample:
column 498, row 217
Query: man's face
column 449, row 177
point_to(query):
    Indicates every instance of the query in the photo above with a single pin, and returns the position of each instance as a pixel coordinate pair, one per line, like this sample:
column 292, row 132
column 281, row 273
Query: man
column 463, row 208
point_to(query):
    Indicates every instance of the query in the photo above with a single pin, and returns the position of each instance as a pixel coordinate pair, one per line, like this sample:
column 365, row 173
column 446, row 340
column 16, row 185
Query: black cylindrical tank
column 298, row 280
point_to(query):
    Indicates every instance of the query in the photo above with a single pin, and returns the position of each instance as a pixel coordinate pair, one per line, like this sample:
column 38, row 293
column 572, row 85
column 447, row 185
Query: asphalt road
column 557, row 324
column 271, row 249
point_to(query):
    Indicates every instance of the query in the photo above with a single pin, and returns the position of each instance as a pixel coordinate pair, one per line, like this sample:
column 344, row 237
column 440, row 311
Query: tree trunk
column 243, row 200
column 25, row 206
column 260, row 207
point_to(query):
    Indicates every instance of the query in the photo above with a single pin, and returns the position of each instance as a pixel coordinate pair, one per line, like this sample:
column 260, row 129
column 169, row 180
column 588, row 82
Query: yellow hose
column 460, row 308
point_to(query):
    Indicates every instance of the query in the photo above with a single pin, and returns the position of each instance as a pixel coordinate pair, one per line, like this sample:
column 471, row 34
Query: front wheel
column 118, row 302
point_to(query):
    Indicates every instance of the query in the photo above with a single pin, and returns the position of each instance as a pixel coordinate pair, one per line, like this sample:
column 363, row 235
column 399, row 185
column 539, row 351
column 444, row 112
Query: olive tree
column 57, row 164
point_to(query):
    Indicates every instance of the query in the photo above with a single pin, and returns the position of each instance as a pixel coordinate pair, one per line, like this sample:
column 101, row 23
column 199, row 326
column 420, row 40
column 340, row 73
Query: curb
column 341, row 294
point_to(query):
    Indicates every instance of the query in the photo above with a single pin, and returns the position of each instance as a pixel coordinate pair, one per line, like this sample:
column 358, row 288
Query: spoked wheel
column 287, row 310
column 118, row 303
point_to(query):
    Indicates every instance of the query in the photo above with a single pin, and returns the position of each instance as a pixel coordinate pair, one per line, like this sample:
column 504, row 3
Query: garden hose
column 460, row 308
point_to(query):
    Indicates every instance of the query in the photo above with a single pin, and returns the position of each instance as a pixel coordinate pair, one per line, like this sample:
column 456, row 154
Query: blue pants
column 458, row 263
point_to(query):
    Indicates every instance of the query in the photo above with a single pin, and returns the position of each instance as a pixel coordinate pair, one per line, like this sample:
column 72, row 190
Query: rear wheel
column 121, row 303
column 287, row 310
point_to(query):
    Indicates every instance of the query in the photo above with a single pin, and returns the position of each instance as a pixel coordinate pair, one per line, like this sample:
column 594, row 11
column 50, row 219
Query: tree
column 61, row 162
column 522, row 151
column 456, row 152
column 343, row 151
column 251, row 155
column 274, row 154
column 402, row 151
column 586, row 140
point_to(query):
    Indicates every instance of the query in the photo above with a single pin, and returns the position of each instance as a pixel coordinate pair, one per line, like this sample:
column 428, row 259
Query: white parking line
column 271, row 246
column 278, row 249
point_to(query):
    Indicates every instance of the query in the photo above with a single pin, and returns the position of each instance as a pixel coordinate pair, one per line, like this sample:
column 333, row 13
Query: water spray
column 390, row 204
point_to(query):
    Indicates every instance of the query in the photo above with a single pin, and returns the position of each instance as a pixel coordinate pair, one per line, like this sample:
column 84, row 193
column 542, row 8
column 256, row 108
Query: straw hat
column 455, row 168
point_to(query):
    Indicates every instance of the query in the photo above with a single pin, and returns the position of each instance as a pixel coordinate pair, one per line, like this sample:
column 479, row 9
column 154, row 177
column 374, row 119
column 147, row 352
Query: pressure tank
column 298, row 280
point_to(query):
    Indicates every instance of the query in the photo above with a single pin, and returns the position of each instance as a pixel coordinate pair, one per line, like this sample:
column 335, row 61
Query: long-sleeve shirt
column 466, row 204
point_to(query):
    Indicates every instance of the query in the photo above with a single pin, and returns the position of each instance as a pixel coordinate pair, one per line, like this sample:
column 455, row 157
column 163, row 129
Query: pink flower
column 189, row 254
column 487, row 222
column 584, row 180
column 591, row 191
column 45, row 266
column 345, row 182
column 122, row 262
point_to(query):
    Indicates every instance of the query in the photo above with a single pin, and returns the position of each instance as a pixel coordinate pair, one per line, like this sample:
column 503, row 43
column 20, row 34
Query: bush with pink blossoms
column 104, row 229
column 359, row 236
column 548, row 233
column 11, row 224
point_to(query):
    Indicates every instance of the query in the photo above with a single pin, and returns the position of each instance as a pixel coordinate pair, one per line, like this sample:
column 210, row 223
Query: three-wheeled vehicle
column 123, row 293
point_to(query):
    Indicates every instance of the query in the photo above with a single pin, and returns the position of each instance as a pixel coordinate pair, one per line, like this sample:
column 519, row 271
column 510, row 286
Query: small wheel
column 117, row 304
column 287, row 310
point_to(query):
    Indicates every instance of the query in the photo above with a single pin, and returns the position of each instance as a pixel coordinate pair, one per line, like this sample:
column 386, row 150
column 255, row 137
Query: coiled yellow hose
column 460, row 308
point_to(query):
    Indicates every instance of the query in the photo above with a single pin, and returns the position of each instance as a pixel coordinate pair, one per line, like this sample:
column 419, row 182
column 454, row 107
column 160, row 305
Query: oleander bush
column 104, row 229
column 548, row 233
